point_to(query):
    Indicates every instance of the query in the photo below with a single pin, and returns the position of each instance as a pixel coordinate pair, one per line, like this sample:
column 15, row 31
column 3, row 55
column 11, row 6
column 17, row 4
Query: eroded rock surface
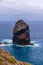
column 7, row 59
column 21, row 33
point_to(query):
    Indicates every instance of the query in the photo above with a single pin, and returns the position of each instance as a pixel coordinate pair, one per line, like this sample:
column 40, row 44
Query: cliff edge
column 7, row 59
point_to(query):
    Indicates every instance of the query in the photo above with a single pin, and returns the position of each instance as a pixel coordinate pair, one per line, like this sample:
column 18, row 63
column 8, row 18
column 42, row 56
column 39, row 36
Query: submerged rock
column 7, row 59
column 21, row 33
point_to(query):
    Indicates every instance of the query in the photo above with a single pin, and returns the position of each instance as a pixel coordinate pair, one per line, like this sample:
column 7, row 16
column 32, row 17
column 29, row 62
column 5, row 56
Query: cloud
column 9, row 8
column 21, row 5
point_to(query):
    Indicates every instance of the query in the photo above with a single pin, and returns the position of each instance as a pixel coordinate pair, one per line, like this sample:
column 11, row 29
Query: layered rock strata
column 21, row 33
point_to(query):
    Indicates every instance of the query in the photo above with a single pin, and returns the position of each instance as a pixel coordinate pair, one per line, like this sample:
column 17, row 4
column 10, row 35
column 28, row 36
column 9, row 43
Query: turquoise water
column 32, row 54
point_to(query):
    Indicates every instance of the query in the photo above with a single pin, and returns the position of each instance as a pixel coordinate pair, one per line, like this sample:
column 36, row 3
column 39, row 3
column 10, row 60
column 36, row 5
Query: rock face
column 7, row 59
column 21, row 33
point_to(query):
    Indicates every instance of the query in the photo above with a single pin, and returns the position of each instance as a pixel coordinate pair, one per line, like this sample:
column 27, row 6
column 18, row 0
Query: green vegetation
column 1, row 59
column 12, row 60
column 7, row 59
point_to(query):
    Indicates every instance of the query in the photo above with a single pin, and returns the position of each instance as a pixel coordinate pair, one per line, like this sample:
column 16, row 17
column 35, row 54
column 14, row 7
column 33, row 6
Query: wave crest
column 9, row 42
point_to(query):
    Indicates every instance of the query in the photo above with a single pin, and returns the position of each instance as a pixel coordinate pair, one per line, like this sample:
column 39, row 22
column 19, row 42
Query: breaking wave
column 8, row 42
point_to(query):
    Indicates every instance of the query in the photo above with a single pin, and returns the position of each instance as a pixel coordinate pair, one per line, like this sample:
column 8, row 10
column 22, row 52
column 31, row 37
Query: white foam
column 6, row 44
column 33, row 42
column 36, row 45
column 9, row 43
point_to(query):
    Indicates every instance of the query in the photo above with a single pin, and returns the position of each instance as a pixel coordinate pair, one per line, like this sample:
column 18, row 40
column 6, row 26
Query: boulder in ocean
column 21, row 33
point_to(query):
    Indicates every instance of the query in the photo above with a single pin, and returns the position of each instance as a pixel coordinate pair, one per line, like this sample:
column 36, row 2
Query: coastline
column 8, row 59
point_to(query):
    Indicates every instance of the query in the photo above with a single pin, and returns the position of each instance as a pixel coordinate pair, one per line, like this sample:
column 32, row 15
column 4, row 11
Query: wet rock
column 0, row 42
column 21, row 33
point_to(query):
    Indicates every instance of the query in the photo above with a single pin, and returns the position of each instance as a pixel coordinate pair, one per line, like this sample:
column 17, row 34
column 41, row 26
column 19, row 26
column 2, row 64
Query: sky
column 31, row 10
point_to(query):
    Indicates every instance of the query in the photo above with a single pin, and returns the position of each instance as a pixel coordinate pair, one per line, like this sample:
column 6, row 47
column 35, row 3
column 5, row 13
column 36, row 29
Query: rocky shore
column 7, row 59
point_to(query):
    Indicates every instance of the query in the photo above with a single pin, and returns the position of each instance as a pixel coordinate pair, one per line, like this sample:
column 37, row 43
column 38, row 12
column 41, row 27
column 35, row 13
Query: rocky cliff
column 7, row 59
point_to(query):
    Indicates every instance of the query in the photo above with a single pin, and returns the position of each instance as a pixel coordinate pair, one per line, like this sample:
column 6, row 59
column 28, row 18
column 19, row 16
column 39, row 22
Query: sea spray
column 9, row 43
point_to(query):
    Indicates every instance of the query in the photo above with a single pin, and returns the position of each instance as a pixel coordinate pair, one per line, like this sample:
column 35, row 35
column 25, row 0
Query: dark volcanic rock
column 21, row 33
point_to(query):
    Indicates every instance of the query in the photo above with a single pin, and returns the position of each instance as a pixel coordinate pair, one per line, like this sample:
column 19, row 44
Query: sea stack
column 21, row 33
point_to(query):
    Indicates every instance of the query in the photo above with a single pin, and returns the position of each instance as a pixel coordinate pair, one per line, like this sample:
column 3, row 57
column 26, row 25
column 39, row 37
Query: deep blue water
column 30, row 54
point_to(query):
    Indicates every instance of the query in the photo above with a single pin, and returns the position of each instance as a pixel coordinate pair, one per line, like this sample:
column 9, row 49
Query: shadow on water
column 22, row 53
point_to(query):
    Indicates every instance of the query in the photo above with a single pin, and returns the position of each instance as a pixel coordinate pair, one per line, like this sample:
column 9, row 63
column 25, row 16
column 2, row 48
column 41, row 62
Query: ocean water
column 31, row 54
